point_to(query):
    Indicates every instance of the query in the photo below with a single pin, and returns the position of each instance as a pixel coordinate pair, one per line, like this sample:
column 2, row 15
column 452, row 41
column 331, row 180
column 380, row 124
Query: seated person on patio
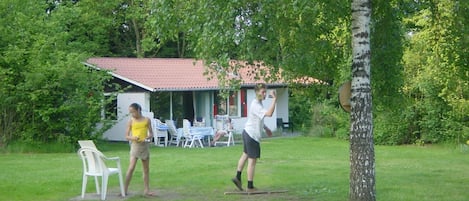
column 222, row 132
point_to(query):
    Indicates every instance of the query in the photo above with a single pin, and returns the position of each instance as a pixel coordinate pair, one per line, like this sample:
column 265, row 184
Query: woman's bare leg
column 130, row 172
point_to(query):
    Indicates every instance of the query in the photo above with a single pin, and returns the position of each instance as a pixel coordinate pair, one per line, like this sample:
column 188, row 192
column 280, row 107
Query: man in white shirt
column 252, row 135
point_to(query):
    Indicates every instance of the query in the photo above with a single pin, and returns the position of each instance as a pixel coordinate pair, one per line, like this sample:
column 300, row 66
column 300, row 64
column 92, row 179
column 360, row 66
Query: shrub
column 328, row 120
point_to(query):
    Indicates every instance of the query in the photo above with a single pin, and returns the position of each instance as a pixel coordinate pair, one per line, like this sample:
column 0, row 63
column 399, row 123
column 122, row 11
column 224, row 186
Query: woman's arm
column 150, row 130
column 127, row 132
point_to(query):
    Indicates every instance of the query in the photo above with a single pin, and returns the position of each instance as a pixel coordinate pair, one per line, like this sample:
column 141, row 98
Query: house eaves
column 169, row 74
column 133, row 82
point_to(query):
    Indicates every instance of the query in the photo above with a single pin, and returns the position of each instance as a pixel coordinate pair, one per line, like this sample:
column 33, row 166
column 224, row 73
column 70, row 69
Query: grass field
column 309, row 168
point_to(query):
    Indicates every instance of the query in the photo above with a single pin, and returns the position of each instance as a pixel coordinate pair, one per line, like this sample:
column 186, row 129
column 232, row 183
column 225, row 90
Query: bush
column 328, row 120
column 389, row 129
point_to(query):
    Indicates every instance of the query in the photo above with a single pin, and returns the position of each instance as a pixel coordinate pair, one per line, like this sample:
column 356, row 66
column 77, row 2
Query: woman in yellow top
column 138, row 132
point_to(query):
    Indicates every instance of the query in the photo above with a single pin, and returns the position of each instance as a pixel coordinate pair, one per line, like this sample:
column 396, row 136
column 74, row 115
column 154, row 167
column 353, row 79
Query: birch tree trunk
column 362, row 160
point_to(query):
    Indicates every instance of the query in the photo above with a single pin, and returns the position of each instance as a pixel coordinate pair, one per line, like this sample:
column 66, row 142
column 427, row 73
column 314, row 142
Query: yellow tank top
column 140, row 129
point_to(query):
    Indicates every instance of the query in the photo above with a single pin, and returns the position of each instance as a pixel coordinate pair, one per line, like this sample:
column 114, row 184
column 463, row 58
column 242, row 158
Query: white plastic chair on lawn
column 224, row 124
column 87, row 143
column 176, row 137
column 159, row 134
column 192, row 139
column 94, row 164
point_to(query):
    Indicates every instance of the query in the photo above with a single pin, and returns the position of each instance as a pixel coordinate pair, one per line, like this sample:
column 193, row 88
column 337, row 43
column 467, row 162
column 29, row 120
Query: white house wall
column 116, row 132
column 282, row 104
column 281, row 109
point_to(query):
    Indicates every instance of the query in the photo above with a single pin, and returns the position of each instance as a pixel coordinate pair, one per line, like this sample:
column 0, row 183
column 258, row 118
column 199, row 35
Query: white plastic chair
column 94, row 165
column 159, row 134
column 176, row 137
column 223, row 124
column 191, row 139
column 87, row 143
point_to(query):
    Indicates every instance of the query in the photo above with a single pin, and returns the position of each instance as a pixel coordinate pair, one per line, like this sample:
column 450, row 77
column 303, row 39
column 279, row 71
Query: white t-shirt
column 255, row 122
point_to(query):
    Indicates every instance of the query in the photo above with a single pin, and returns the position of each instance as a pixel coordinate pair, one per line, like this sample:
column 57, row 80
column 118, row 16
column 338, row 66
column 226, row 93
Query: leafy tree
column 437, row 71
column 169, row 27
column 49, row 95
column 387, row 39
column 298, row 37
column 83, row 26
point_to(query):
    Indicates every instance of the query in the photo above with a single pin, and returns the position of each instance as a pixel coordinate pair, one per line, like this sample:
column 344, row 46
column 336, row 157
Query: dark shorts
column 251, row 147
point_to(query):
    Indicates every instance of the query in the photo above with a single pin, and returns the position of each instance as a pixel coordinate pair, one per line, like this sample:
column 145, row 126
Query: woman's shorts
column 251, row 147
column 140, row 150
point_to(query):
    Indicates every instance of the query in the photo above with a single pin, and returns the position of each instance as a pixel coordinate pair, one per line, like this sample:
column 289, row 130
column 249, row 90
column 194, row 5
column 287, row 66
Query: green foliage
column 313, row 38
column 169, row 28
column 300, row 109
column 328, row 120
column 316, row 112
column 390, row 128
column 420, row 100
column 437, row 71
column 301, row 37
column 387, row 51
column 50, row 96
column 419, row 59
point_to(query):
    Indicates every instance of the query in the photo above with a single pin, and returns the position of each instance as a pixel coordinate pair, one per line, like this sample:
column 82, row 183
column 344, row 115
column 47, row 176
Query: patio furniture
column 205, row 132
column 87, row 143
column 192, row 137
column 160, row 132
column 284, row 125
column 94, row 165
column 223, row 124
column 176, row 137
column 199, row 122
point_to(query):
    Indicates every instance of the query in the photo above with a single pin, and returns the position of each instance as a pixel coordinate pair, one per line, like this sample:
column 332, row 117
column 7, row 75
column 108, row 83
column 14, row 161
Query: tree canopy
column 419, row 56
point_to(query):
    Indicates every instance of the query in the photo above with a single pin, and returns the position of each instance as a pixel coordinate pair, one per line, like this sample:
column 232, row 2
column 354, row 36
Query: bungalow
column 176, row 88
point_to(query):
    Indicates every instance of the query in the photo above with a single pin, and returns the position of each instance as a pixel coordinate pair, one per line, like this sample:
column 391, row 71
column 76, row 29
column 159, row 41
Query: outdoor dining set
column 196, row 135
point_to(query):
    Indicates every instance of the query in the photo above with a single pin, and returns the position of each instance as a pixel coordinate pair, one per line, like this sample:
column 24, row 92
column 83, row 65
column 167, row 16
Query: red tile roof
column 163, row 74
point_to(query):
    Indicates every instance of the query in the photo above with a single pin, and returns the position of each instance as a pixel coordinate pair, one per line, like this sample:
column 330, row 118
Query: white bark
column 362, row 163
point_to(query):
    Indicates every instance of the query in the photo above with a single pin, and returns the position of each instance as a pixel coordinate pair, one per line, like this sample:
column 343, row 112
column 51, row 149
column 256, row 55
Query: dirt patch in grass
column 173, row 195
column 114, row 195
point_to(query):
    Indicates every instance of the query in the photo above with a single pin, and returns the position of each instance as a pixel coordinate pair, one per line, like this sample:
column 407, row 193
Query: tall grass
column 309, row 168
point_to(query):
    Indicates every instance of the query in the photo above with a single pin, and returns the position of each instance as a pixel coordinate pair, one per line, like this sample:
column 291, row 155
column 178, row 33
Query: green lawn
column 309, row 168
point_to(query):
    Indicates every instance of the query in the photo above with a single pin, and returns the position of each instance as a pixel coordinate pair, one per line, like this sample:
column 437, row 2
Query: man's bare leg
column 237, row 180
column 251, row 169
column 242, row 161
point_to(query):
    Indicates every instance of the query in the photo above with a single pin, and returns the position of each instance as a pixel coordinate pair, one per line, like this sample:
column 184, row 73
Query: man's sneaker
column 237, row 182
column 250, row 190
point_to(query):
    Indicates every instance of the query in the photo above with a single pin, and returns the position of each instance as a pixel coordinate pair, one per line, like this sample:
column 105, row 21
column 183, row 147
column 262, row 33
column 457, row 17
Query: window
column 160, row 104
column 227, row 106
column 233, row 103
